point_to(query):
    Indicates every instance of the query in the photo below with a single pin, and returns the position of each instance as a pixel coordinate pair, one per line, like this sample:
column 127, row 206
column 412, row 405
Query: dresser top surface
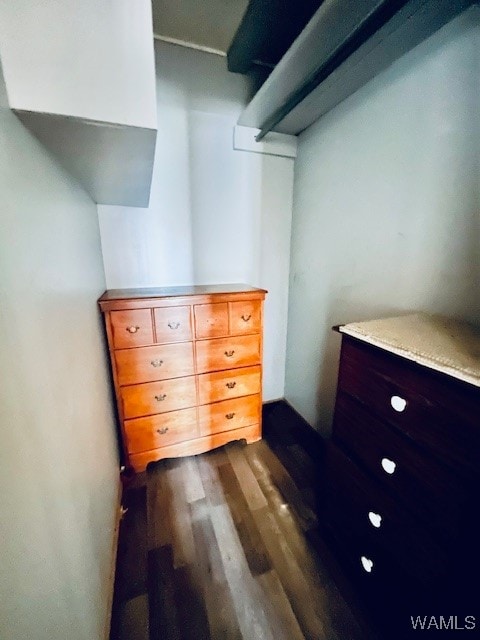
column 443, row 344
column 168, row 292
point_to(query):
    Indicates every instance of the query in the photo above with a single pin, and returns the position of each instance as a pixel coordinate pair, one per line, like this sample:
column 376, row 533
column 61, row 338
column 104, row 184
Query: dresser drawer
column 172, row 324
column 377, row 519
column 131, row 328
column 396, row 589
column 432, row 492
column 144, row 434
column 228, row 384
column 147, row 364
column 174, row 350
column 158, row 397
column 380, row 583
column 245, row 317
column 211, row 320
column 228, row 353
column 229, row 414
column 434, row 410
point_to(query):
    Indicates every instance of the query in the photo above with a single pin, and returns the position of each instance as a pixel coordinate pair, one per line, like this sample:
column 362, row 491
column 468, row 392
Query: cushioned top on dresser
column 420, row 374
column 444, row 344
column 401, row 474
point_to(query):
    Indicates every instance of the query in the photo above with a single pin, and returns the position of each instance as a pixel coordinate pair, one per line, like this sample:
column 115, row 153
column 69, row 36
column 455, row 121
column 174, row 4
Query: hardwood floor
column 225, row 545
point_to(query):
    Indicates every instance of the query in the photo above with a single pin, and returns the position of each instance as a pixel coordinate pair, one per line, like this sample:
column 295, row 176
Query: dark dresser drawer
column 441, row 414
column 401, row 477
column 380, row 524
column 432, row 492
column 385, row 590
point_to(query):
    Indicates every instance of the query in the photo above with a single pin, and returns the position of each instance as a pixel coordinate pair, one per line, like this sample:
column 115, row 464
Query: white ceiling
column 205, row 23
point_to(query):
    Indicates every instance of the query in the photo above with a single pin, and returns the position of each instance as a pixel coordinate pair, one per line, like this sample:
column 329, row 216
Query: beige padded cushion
column 443, row 344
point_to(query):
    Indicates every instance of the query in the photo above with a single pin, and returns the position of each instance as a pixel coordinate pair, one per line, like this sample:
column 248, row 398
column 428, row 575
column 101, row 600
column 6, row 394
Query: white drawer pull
column 388, row 466
column 375, row 519
column 398, row 403
column 367, row 564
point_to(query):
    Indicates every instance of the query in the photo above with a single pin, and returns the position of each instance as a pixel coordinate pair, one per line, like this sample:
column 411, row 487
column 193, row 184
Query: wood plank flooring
column 225, row 549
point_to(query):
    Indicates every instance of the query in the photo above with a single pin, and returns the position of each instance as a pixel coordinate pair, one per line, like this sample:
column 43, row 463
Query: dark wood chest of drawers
column 187, row 368
column 401, row 484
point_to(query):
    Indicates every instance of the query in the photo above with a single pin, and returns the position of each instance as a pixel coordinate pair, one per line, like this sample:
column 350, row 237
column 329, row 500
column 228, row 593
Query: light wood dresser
column 187, row 367
column 402, row 469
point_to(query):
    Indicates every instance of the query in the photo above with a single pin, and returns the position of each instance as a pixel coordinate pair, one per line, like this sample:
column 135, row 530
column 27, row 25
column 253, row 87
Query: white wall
column 90, row 59
column 215, row 215
column 58, row 459
column 386, row 208
column 209, row 23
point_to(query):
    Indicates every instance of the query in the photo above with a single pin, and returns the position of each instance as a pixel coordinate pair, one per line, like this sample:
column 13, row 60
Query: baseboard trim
column 113, row 560
column 284, row 423
column 272, row 400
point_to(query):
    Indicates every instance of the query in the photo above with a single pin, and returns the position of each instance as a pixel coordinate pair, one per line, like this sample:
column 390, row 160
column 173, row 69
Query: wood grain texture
column 164, row 616
column 147, row 364
column 411, row 465
column 172, row 324
column 229, row 414
column 131, row 328
column 226, row 556
column 246, row 479
column 178, row 476
column 160, row 340
column 227, row 353
column 440, row 499
column 158, row 397
column 266, row 465
column 278, row 602
column 399, row 537
column 211, row 320
column 152, row 432
column 436, row 403
column 228, row 571
column 139, row 461
column 211, row 575
column 245, row 317
column 233, row 383
column 255, row 551
column 160, row 502
column 202, row 293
